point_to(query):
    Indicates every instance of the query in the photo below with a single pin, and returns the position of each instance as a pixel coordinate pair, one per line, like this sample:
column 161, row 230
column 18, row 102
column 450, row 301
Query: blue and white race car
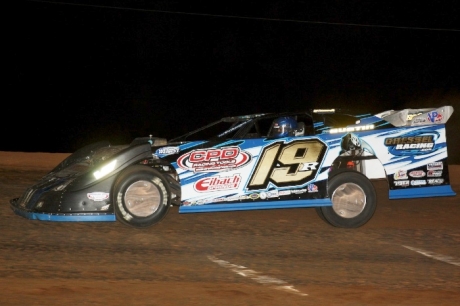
column 322, row 158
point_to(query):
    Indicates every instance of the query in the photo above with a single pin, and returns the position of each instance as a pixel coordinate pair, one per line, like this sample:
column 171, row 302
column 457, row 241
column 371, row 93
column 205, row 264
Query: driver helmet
column 283, row 127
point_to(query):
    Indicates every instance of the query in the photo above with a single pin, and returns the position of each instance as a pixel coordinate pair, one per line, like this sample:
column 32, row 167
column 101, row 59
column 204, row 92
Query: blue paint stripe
column 63, row 218
column 422, row 192
column 255, row 206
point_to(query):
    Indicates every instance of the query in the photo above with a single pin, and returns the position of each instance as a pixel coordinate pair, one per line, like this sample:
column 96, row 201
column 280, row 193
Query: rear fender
column 430, row 180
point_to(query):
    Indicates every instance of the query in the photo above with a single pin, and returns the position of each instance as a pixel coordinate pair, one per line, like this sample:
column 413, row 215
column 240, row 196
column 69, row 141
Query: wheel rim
column 348, row 200
column 143, row 198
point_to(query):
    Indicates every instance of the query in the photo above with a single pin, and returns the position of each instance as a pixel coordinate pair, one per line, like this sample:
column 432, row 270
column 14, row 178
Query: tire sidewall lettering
column 161, row 186
column 131, row 176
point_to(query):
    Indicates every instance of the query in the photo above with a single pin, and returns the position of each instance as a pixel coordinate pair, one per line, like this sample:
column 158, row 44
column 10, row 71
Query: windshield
column 240, row 127
column 224, row 128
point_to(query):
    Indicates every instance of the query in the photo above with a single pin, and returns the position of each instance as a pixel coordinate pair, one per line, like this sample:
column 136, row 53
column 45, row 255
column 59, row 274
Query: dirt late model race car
column 320, row 158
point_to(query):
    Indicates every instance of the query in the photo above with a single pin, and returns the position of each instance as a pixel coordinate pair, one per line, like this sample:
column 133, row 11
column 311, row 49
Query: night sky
column 83, row 71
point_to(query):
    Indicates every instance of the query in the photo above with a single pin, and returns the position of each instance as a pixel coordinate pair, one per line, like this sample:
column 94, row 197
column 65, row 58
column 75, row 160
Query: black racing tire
column 141, row 196
column 353, row 201
column 319, row 212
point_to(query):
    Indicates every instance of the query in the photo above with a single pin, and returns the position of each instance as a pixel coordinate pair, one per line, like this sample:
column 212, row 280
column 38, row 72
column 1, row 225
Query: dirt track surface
column 408, row 254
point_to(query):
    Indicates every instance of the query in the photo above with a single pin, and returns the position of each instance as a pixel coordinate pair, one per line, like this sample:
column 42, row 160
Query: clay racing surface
column 408, row 254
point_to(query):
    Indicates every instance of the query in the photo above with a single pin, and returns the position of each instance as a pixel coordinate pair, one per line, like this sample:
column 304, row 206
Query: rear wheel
column 141, row 196
column 353, row 201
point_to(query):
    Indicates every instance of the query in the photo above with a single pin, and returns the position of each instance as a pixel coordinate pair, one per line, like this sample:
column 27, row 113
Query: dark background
column 83, row 71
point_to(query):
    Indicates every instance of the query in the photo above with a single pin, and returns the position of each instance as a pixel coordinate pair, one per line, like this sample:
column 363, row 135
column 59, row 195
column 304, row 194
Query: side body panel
column 254, row 174
column 293, row 172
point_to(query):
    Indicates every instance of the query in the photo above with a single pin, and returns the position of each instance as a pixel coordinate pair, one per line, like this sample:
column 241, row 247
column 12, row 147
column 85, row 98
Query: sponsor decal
column 215, row 200
column 410, row 116
column 312, row 188
column 232, row 129
column 434, row 117
column 434, row 173
column 400, row 175
column 402, row 183
column 352, row 129
column 263, row 195
column 417, row 173
column 419, row 120
column 284, row 192
column 436, row 181
column 422, row 146
column 214, row 160
column 97, row 196
column 417, row 182
column 273, row 194
column 252, row 196
column 417, row 142
column 232, row 198
column 167, row 150
column 434, row 166
column 298, row 191
column 105, row 207
column 217, row 183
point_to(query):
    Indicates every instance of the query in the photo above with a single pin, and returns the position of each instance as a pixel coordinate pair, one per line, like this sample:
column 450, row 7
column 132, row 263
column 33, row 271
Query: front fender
column 112, row 166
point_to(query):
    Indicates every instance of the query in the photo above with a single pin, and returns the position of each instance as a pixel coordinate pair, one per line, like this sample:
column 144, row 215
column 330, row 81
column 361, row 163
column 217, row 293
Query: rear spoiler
column 417, row 116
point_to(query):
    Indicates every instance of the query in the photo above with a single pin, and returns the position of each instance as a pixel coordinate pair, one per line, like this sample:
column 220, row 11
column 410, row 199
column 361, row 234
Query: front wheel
column 142, row 196
column 353, row 201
